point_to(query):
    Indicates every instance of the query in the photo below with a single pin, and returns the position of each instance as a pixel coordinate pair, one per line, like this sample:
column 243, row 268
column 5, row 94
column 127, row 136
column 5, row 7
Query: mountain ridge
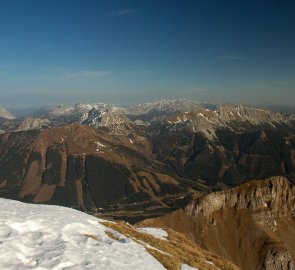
column 174, row 112
column 251, row 225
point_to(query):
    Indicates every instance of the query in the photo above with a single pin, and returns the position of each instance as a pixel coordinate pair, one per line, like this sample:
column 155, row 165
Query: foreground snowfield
column 54, row 237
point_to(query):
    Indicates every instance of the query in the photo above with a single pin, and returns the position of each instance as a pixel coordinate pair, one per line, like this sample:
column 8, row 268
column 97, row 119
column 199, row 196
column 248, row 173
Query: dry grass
column 167, row 261
column 91, row 236
column 175, row 251
column 111, row 235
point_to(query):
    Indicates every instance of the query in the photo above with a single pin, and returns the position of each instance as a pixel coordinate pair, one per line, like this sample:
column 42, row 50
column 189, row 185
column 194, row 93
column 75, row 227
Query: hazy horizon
column 72, row 103
column 28, row 110
column 129, row 52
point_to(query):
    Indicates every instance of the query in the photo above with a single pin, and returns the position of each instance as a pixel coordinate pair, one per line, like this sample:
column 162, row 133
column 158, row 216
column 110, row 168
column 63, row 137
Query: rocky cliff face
column 274, row 197
column 252, row 225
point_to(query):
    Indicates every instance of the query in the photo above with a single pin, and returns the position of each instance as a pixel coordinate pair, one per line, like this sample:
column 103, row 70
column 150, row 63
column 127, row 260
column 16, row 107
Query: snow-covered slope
column 54, row 237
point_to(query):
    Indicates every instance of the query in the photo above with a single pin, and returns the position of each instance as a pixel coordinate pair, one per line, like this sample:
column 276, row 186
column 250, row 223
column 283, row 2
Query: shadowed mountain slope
column 83, row 167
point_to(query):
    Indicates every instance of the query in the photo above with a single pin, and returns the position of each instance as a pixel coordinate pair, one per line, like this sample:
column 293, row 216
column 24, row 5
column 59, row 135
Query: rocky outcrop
column 274, row 197
column 277, row 259
column 252, row 225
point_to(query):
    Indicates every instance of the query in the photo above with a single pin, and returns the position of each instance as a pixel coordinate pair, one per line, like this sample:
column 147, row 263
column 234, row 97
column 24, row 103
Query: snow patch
column 156, row 232
column 54, row 237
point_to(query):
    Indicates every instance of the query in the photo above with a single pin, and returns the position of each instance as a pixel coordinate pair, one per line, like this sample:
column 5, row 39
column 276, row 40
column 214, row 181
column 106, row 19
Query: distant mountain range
column 160, row 151
column 165, row 105
column 139, row 114
column 178, row 160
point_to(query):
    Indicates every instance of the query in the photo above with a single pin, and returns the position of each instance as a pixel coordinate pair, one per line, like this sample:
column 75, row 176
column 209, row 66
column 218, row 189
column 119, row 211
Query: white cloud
column 86, row 74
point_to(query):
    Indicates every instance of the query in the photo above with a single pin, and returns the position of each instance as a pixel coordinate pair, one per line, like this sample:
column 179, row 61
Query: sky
column 132, row 51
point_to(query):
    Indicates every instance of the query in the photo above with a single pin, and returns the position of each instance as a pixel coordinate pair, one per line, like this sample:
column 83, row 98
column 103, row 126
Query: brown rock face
column 274, row 197
column 252, row 225
column 86, row 168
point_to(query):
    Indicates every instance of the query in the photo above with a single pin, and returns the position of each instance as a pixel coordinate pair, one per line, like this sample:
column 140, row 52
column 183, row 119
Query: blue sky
column 131, row 51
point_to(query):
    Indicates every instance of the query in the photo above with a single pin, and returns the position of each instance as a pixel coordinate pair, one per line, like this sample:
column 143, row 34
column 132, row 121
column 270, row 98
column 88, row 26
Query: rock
column 252, row 225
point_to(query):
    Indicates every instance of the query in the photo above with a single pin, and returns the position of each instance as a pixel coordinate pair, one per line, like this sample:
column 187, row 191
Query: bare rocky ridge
column 252, row 225
column 275, row 196
column 235, row 118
